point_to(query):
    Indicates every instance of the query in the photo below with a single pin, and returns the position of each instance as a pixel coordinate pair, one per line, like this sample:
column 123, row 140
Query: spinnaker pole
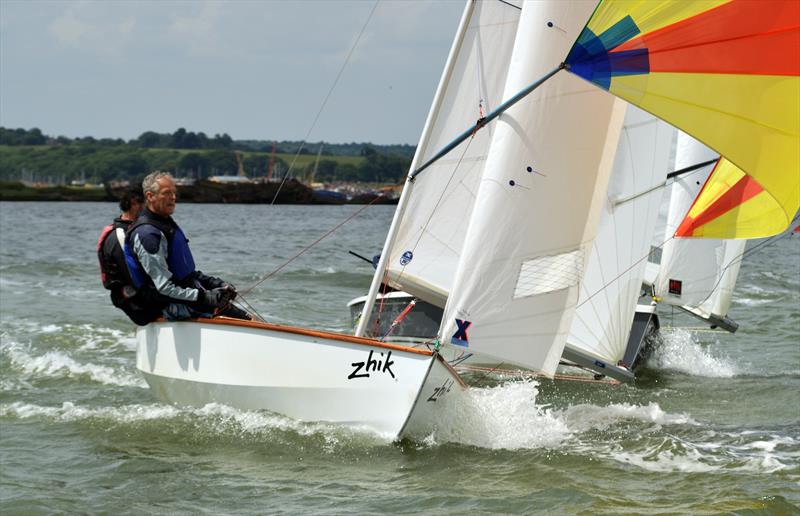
column 483, row 121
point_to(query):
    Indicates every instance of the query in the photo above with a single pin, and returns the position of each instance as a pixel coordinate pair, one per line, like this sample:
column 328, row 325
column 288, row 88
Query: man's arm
column 150, row 247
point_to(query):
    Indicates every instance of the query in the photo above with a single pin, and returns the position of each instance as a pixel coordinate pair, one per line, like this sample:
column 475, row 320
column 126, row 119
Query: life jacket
column 113, row 270
column 179, row 256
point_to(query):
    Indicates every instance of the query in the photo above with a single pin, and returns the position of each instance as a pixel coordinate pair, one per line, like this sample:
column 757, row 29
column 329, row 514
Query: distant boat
column 325, row 196
column 697, row 275
column 230, row 179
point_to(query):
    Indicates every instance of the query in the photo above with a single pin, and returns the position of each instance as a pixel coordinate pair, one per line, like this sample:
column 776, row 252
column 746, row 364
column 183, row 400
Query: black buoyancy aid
column 179, row 256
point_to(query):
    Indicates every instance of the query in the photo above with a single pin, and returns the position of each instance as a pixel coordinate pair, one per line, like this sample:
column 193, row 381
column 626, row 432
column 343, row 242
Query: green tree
column 194, row 164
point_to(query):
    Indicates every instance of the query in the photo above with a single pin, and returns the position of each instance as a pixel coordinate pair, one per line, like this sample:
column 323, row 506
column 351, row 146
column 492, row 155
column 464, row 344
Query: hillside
column 30, row 156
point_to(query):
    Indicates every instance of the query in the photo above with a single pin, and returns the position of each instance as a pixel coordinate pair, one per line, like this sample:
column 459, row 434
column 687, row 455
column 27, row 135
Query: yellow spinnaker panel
column 725, row 72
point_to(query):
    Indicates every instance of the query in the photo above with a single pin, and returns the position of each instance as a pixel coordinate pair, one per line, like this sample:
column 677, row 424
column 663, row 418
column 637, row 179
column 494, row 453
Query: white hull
column 303, row 374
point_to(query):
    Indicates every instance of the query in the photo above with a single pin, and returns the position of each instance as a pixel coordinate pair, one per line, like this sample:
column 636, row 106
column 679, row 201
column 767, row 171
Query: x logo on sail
column 460, row 337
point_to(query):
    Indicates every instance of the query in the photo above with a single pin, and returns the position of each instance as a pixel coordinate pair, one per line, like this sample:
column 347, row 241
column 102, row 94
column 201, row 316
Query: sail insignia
column 460, row 337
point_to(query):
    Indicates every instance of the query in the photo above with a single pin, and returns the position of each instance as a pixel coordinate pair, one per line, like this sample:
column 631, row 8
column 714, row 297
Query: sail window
column 549, row 273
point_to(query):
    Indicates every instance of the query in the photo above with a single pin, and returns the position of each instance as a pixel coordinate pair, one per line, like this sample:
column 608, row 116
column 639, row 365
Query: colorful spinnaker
column 728, row 73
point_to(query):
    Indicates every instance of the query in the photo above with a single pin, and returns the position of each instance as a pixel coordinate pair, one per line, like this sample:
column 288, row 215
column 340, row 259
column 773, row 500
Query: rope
column 769, row 241
column 315, row 242
column 377, row 326
column 438, row 201
column 624, row 272
column 740, row 257
column 490, row 371
column 324, row 102
column 247, row 307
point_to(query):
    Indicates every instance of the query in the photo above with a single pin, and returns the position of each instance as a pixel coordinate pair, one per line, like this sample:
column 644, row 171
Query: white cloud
column 70, row 30
column 198, row 31
column 81, row 26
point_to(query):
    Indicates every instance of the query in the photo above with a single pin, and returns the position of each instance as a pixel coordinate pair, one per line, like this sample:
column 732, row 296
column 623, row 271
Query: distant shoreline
column 202, row 192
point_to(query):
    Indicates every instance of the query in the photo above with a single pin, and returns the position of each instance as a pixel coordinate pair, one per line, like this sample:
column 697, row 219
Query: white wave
column 221, row 419
column 751, row 288
column 106, row 340
column 508, row 417
column 584, row 417
column 665, row 461
column 746, row 301
column 256, row 422
column 680, row 455
column 68, row 411
column 5, row 282
column 680, row 352
column 501, row 417
column 522, row 425
column 59, row 365
column 93, row 337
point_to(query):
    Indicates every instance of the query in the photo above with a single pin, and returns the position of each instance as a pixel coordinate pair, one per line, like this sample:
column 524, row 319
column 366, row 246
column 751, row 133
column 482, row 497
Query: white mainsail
column 616, row 266
column 432, row 229
column 538, row 202
column 697, row 274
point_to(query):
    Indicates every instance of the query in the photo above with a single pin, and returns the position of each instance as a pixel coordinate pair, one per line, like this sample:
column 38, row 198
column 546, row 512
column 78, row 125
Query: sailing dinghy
column 697, row 275
column 600, row 335
column 523, row 244
column 320, row 376
column 698, row 65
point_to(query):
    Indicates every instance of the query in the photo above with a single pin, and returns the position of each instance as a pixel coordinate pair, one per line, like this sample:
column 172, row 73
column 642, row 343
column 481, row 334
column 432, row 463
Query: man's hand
column 230, row 289
column 219, row 297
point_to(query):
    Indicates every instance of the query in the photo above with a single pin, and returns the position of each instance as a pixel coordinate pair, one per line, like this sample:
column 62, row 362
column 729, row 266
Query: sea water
column 712, row 425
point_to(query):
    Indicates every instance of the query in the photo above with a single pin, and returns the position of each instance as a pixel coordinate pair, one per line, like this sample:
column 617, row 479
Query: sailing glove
column 231, row 290
column 219, row 297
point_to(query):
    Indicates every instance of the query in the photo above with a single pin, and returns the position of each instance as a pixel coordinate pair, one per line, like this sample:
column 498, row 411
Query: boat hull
column 302, row 374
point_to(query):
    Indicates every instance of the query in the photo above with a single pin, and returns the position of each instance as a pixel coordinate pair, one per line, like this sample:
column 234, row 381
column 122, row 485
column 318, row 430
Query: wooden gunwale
column 341, row 337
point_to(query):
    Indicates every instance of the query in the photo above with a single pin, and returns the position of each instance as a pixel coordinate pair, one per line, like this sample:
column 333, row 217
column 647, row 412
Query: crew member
column 160, row 262
column 113, row 269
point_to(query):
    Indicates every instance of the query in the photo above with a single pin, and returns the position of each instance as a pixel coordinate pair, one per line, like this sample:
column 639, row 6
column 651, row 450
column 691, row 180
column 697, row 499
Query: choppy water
column 712, row 427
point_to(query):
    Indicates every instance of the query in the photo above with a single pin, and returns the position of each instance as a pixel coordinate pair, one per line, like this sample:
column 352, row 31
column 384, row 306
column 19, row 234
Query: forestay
column 538, row 203
column 696, row 273
column 432, row 228
column 616, row 265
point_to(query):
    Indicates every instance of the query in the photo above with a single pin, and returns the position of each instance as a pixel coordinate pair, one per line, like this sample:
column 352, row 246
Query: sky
column 254, row 69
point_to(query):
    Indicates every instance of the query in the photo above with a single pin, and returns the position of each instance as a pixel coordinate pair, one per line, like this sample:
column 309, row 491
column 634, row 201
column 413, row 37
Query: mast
column 432, row 228
column 271, row 163
column 409, row 185
column 316, row 164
